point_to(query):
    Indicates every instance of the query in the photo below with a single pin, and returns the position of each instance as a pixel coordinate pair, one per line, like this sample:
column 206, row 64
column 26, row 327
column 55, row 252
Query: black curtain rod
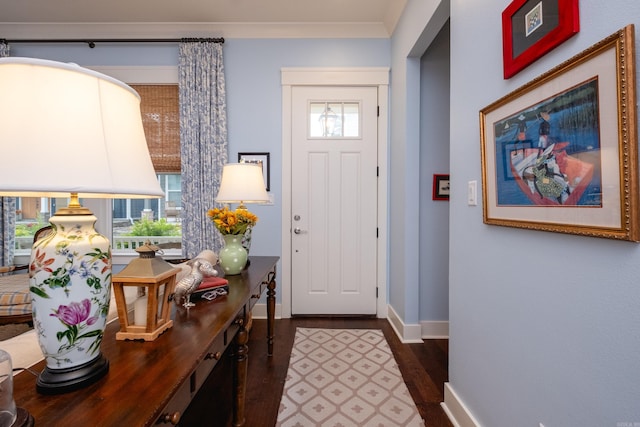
column 92, row 42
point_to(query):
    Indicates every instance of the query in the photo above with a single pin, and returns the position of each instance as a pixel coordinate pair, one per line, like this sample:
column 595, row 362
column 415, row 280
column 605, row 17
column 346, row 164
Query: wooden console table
column 152, row 383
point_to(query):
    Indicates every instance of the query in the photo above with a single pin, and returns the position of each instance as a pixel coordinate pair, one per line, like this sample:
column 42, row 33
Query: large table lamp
column 66, row 131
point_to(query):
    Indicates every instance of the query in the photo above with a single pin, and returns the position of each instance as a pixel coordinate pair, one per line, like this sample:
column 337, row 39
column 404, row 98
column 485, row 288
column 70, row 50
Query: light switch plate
column 472, row 193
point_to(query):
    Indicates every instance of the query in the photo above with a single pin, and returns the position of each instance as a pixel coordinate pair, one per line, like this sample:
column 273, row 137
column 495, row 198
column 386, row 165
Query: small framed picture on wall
column 261, row 159
column 531, row 28
column 440, row 187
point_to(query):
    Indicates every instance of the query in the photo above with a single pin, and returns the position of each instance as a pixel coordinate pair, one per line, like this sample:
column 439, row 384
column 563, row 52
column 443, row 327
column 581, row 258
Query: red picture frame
column 441, row 187
column 531, row 28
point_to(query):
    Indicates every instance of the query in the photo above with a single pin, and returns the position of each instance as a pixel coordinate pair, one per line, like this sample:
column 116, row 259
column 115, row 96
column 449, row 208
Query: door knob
column 297, row 230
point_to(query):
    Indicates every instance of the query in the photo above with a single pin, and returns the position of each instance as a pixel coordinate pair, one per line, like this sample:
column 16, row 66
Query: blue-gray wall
column 410, row 150
column 434, row 159
column 545, row 327
column 254, row 104
column 549, row 340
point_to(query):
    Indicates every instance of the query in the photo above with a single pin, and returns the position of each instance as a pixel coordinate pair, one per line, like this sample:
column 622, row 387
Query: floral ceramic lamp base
column 70, row 289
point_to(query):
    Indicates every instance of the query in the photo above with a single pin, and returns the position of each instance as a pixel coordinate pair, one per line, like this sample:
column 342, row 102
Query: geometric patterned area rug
column 344, row 377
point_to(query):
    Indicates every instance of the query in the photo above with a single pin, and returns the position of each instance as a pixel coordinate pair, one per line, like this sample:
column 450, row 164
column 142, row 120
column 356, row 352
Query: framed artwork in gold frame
column 560, row 153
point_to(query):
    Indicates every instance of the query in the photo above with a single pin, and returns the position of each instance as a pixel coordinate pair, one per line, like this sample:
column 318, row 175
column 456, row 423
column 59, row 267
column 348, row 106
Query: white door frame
column 378, row 77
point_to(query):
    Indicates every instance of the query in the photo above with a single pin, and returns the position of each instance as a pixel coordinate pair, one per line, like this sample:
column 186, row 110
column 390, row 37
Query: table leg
column 242, row 355
column 271, row 308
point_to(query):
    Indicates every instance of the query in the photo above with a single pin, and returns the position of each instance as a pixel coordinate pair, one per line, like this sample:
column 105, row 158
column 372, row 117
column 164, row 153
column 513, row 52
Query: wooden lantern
column 156, row 280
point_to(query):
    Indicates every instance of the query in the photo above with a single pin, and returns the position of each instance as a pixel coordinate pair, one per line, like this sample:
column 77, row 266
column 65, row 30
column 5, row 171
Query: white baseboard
column 455, row 409
column 408, row 334
column 260, row 311
column 434, row 329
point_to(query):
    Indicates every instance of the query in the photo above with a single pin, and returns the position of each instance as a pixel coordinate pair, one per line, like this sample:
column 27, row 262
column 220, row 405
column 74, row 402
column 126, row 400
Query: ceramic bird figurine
column 200, row 268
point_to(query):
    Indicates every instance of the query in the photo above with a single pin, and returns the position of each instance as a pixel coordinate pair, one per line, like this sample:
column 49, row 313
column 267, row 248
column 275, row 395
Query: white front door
column 334, row 200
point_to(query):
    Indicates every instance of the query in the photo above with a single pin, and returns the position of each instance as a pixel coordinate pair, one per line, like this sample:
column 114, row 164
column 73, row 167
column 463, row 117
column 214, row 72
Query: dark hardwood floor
column 424, row 367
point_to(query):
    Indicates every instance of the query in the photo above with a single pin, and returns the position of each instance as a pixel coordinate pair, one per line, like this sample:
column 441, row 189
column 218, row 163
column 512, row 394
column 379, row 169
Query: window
column 158, row 220
column 159, row 89
column 32, row 213
column 161, row 120
column 334, row 120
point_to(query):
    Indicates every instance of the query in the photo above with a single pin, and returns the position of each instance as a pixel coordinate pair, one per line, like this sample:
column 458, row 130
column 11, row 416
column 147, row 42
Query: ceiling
column 198, row 18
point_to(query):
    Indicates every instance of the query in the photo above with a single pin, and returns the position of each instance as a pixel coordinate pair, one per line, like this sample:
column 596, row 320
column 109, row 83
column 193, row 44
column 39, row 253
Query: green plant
column 26, row 229
column 146, row 227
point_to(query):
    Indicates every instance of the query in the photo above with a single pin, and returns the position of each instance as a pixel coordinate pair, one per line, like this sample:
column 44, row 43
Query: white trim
column 285, row 260
column 355, row 76
column 434, row 329
column 259, row 311
column 408, row 334
column 373, row 76
column 166, row 30
column 458, row 413
column 383, row 188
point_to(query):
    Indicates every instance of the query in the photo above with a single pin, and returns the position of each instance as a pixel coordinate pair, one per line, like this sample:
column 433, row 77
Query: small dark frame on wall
column 440, row 187
column 531, row 28
column 261, row 159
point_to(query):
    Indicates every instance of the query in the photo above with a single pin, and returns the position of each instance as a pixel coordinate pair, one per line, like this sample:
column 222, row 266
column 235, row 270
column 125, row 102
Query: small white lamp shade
column 242, row 183
column 66, row 129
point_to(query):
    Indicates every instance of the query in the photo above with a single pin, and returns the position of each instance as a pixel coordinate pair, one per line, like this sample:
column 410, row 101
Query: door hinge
column 378, row 171
column 378, row 111
column 377, row 232
column 377, row 292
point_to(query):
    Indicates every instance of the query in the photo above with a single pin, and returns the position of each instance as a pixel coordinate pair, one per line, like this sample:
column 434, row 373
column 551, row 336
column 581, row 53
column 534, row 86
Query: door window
column 333, row 120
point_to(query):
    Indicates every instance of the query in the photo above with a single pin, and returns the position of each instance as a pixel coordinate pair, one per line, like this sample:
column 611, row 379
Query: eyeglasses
column 211, row 295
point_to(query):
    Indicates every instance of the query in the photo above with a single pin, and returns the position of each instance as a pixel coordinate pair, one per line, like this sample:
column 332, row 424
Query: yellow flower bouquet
column 232, row 222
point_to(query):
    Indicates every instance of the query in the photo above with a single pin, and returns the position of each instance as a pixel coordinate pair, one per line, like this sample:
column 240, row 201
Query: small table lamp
column 241, row 183
column 69, row 131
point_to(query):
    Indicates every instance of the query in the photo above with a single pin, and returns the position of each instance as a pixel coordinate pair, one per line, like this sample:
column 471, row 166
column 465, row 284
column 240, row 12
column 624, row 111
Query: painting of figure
column 549, row 153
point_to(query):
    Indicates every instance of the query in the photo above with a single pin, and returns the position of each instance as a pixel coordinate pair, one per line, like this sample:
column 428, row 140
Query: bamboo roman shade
column 161, row 120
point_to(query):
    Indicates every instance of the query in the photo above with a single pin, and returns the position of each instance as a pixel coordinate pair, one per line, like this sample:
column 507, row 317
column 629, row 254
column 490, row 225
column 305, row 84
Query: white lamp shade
column 66, row 129
column 242, row 183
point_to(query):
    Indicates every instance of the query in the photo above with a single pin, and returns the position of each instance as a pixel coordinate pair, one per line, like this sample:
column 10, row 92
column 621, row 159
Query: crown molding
column 275, row 30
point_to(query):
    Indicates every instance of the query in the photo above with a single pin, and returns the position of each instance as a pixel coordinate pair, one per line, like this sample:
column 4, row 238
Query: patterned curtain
column 203, row 139
column 7, row 209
